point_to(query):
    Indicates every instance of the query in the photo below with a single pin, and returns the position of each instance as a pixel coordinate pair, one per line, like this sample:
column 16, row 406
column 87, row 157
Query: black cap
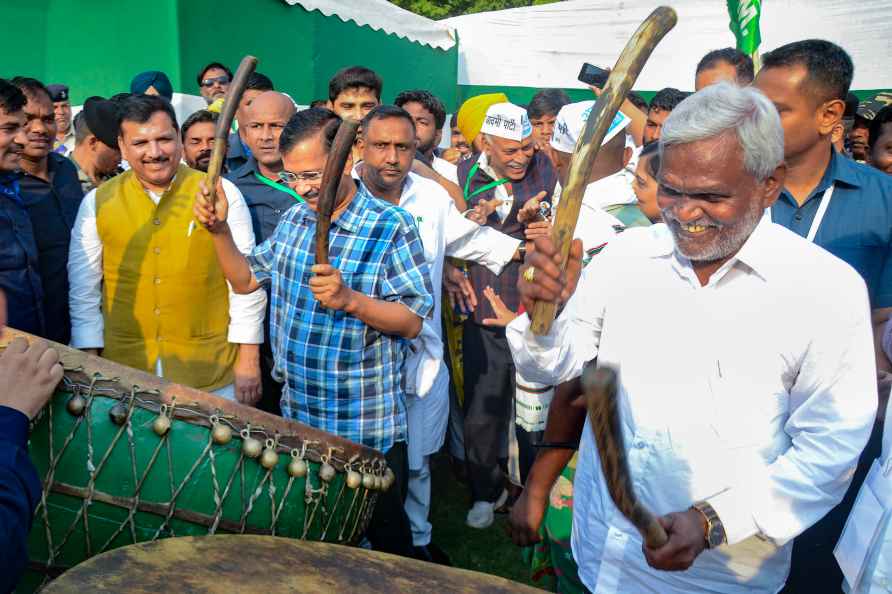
column 869, row 108
column 58, row 92
column 103, row 120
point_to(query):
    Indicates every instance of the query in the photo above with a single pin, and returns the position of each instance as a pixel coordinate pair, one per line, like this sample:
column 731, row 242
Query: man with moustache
column 843, row 207
column 339, row 330
column 19, row 267
column 268, row 197
column 213, row 82
column 198, row 139
column 96, row 154
column 511, row 173
column 742, row 416
column 659, row 109
column 52, row 194
column 145, row 286
column 388, row 146
column 64, row 141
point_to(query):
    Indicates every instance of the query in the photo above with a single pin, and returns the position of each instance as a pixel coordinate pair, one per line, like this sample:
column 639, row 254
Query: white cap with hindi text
column 507, row 120
column 571, row 120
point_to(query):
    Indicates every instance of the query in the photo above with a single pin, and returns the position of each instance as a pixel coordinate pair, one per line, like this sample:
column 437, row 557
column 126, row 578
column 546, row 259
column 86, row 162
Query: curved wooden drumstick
column 621, row 79
column 331, row 180
column 604, row 417
column 224, row 123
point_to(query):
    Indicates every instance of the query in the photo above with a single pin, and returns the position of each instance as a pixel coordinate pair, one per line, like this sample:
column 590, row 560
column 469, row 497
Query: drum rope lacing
column 374, row 475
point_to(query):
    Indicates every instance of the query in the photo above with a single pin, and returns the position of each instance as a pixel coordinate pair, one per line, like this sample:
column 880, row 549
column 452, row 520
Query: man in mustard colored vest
column 146, row 288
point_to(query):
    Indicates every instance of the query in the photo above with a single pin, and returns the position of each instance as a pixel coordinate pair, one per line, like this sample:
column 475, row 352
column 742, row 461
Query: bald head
column 266, row 116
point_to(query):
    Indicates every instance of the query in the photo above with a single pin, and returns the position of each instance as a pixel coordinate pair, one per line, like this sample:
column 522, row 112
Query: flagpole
column 757, row 62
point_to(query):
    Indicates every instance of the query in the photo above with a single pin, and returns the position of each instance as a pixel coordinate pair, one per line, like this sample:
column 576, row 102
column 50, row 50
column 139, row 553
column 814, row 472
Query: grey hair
column 721, row 108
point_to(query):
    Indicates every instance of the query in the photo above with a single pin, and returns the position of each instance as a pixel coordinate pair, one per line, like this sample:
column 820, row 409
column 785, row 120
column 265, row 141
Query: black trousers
column 814, row 568
column 272, row 390
column 489, row 400
column 389, row 530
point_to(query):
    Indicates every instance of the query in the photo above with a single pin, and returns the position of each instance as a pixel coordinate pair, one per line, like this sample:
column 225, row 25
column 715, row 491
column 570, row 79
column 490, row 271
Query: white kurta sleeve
column 832, row 408
column 245, row 311
column 574, row 338
column 85, row 278
column 484, row 245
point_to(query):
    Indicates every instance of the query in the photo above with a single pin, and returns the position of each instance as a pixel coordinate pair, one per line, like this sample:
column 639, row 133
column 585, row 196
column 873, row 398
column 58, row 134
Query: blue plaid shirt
column 341, row 375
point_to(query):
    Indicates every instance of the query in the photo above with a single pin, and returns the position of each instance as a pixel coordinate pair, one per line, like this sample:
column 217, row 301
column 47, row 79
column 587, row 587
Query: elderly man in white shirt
column 388, row 148
column 745, row 354
column 167, row 287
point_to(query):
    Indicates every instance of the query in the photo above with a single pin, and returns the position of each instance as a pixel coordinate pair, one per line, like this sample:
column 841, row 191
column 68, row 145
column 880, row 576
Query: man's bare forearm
column 385, row 316
column 233, row 263
column 565, row 424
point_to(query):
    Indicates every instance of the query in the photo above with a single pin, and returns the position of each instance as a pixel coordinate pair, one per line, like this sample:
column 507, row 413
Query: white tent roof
column 381, row 15
column 545, row 46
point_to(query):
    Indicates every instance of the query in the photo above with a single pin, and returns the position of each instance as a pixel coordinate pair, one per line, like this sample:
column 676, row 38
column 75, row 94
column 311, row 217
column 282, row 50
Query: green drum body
column 125, row 457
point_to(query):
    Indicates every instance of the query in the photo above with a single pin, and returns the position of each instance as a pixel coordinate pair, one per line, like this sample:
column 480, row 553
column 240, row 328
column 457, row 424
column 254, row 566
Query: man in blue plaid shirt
column 339, row 332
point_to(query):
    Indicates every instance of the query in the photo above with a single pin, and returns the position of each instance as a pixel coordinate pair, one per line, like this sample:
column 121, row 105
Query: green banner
column 745, row 24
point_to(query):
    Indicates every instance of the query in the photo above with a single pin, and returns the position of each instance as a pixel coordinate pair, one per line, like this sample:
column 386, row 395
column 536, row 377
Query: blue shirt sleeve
column 407, row 277
column 19, row 494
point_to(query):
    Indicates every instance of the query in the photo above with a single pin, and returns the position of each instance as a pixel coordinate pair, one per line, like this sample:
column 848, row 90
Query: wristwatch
column 715, row 530
column 522, row 250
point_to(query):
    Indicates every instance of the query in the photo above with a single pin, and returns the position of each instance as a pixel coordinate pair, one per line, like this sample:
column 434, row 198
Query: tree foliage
column 441, row 9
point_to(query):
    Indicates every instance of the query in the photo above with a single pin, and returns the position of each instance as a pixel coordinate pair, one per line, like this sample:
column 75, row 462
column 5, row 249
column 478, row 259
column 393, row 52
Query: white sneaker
column 482, row 513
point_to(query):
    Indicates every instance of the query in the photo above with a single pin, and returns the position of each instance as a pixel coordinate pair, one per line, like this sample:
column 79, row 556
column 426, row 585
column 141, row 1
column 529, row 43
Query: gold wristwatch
column 715, row 530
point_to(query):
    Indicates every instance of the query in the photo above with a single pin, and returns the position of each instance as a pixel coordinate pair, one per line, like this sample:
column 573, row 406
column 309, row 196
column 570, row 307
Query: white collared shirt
column 501, row 192
column 608, row 191
column 85, row 275
column 444, row 232
column 756, row 392
column 445, row 168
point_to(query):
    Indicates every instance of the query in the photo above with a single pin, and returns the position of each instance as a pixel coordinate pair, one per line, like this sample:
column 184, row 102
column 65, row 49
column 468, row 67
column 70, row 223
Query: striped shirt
column 341, row 375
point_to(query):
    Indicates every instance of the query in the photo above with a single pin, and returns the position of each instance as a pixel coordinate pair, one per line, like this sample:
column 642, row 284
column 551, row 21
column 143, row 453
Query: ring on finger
column 529, row 274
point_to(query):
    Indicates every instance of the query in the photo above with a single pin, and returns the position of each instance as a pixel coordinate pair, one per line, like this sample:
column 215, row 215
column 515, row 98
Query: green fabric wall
column 96, row 46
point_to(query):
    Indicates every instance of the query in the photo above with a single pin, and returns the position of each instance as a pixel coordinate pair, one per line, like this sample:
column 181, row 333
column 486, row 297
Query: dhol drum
column 268, row 565
column 126, row 457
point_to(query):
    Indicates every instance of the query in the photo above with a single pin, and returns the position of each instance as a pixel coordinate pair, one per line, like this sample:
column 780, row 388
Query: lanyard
column 279, row 187
column 481, row 189
column 819, row 215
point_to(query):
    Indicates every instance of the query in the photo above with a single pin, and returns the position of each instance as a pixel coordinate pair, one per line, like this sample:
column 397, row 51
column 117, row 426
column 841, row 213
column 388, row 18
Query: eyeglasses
column 304, row 176
column 209, row 82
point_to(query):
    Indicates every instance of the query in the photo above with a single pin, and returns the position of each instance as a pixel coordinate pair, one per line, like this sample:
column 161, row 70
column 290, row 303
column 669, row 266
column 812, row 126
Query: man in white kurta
column 747, row 377
column 444, row 232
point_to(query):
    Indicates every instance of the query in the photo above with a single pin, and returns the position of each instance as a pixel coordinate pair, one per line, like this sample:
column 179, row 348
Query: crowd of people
column 749, row 423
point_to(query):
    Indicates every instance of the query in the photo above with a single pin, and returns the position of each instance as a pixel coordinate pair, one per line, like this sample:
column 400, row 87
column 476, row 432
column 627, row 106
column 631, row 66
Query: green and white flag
column 745, row 24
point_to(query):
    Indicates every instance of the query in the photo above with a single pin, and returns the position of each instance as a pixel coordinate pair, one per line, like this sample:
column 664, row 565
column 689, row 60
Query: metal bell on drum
column 368, row 481
column 326, row 472
column 389, row 478
column 76, row 405
column 221, row 434
column 297, row 468
column 354, row 479
column 251, row 447
column 269, row 459
column 118, row 414
column 161, row 425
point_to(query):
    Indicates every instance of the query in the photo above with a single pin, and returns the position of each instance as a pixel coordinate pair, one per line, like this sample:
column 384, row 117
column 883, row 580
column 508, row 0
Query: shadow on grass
column 488, row 551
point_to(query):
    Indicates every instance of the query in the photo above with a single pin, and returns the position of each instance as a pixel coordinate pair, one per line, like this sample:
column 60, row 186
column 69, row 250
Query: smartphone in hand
column 592, row 75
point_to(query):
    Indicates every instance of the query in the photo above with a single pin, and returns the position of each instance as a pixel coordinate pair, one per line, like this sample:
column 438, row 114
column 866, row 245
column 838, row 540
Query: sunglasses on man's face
column 209, row 82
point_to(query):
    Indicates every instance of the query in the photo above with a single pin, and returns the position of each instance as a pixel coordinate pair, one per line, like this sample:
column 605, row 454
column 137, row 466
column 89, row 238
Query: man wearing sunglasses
column 213, row 81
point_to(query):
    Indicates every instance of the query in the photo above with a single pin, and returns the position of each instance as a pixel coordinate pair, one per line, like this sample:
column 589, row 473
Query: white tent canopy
column 381, row 15
column 545, row 46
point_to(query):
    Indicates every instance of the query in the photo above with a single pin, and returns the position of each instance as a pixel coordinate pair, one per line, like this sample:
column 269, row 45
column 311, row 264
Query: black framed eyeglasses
column 304, row 176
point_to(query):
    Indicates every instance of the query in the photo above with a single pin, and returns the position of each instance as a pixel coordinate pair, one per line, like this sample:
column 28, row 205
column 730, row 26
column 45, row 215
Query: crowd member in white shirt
column 164, row 308
column 429, row 116
column 744, row 404
column 388, row 148
column 608, row 186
